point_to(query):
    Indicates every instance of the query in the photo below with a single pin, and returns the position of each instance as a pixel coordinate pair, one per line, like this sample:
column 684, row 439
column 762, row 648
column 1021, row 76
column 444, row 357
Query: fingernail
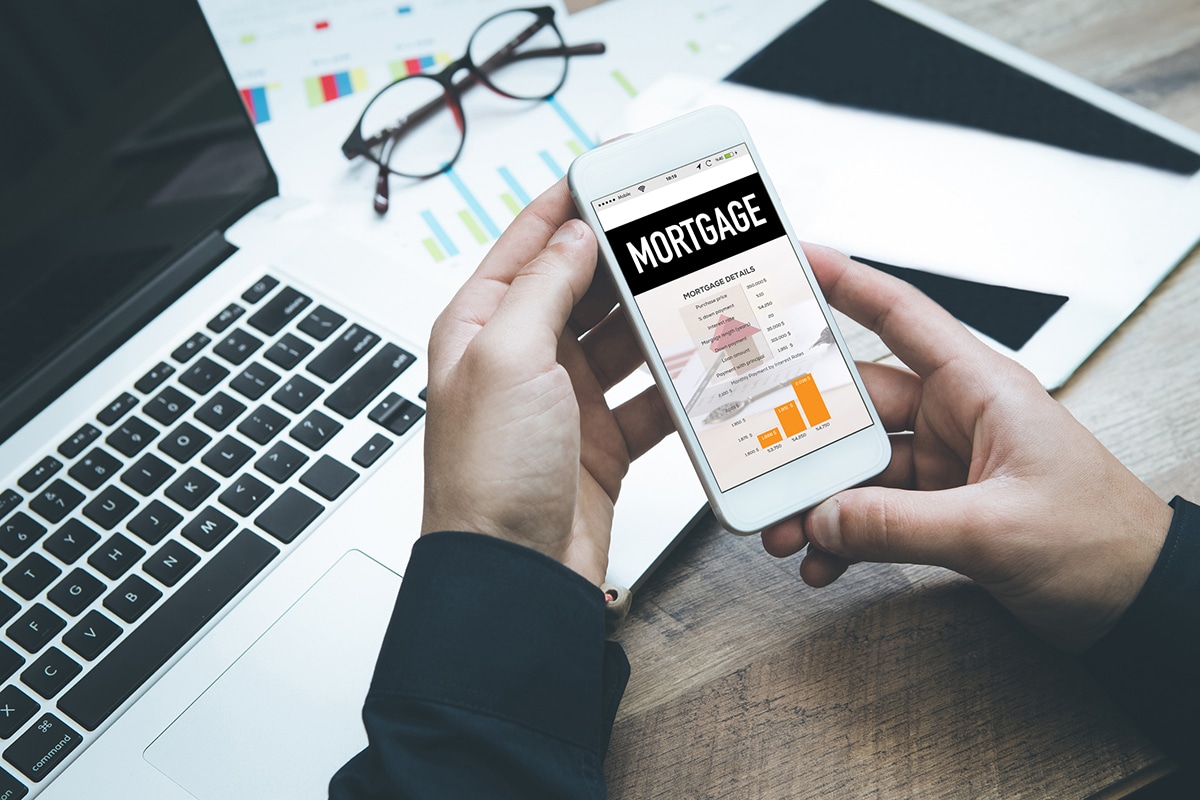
column 823, row 522
column 570, row 230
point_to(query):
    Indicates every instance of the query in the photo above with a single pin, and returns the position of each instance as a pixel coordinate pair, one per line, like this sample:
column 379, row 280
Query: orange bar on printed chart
column 769, row 438
column 810, row 399
column 789, row 418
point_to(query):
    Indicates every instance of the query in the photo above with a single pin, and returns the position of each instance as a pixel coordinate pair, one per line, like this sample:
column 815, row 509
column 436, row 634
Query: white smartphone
column 733, row 325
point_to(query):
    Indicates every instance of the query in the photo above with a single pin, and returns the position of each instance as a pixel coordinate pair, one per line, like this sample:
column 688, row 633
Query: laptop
column 210, row 421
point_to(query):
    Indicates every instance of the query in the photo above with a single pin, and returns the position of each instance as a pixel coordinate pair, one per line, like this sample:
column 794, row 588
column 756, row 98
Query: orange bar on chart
column 789, row 418
column 810, row 399
column 769, row 438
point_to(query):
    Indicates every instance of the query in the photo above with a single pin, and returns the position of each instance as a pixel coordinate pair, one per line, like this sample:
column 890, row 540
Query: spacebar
column 114, row 679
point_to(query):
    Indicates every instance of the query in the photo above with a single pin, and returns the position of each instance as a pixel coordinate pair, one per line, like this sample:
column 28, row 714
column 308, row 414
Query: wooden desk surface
column 904, row 681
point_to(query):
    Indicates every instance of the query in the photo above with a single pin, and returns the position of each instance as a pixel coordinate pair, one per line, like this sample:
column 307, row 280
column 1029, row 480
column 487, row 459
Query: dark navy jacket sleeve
column 1150, row 662
column 494, row 680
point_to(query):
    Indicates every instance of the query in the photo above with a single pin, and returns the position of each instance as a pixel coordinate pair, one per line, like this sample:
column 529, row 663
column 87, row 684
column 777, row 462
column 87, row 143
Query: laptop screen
column 123, row 144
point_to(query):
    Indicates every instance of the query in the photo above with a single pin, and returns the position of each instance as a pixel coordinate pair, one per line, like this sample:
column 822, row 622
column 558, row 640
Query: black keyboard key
column 370, row 452
column 110, row 507
column 76, row 592
column 10, row 787
column 343, row 353
column 8, row 609
column 10, row 661
column 9, row 499
column 208, row 529
column 288, row 516
column 321, row 323
column 131, row 437
column 184, row 442
column 117, row 409
column 31, row 576
column 79, row 440
column 41, row 473
column 280, row 462
column 71, row 541
column 92, row 635
column 114, row 678
column 154, row 522
column 227, row 457
column 365, row 385
column 34, row 629
column 16, row 708
column 237, row 346
column 219, row 411
column 421, row 394
column 191, row 488
column 315, row 430
column 202, row 376
column 94, row 468
column 254, row 381
column 227, row 317
column 262, row 424
column 188, row 349
column 147, row 474
column 168, row 405
column 260, row 289
column 329, row 478
column 114, row 558
column 396, row 414
column 154, row 378
column 56, row 500
column 171, row 563
column 132, row 598
column 19, row 532
column 42, row 748
column 279, row 311
column 245, row 495
column 53, row 670
column 288, row 351
column 297, row 393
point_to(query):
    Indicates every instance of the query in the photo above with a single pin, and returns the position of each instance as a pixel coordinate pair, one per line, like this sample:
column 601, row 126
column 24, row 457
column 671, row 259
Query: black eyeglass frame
column 357, row 145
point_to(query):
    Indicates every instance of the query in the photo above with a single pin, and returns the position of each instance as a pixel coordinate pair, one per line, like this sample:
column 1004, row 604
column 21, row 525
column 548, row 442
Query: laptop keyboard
column 117, row 548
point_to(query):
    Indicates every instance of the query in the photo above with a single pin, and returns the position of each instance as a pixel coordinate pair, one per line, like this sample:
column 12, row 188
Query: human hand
column 990, row 476
column 519, row 441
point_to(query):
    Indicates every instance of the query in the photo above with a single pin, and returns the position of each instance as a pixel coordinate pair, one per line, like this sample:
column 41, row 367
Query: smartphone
column 733, row 325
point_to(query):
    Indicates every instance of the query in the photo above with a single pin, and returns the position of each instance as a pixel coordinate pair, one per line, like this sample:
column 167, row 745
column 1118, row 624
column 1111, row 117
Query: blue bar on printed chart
column 583, row 138
column 344, row 87
column 473, row 204
column 440, row 233
column 518, row 192
column 551, row 163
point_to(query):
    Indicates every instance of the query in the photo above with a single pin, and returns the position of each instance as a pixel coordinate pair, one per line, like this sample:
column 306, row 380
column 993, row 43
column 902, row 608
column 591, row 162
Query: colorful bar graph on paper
column 517, row 190
column 810, row 399
column 404, row 10
column 416, row 66
column 769, row 438
column 474, row 204
column 575, row 147
column 432, row 246
column 551, row 163
column 789, row 418
column 624, row 83
column 472, row 226
column 439, row 233
column 511, row 203
column 575, row 127
column 325, row 88
column 255, row 98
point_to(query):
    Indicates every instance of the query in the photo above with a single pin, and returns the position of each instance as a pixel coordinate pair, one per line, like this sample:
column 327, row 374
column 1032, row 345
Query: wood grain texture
column 906, row 681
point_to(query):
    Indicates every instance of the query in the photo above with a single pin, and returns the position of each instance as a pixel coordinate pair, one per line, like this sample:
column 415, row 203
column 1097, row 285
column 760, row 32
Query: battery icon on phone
column 729, row 155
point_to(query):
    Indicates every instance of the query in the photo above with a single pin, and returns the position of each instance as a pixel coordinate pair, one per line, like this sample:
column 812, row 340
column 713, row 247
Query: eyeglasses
column 415, row 126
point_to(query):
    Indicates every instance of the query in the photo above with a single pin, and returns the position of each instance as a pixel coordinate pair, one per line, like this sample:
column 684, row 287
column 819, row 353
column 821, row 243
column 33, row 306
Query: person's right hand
column 990, row 476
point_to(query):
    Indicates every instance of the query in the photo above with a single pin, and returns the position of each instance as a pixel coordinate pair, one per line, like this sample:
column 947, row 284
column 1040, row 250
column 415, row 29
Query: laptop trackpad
column 287, row 714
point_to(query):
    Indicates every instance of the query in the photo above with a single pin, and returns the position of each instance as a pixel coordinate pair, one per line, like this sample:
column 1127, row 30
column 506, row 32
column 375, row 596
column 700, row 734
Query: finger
column 644, row 421
column 911, row 527
column 895, row 392
column 785, row 538
column 600, row 299
column 821, row 569
column 919, row 331
column 612, row 350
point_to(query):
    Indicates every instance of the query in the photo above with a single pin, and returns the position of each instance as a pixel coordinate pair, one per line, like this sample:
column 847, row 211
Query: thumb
column 910, row 527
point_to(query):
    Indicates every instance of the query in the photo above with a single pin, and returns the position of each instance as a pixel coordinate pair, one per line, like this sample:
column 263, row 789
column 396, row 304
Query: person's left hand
column 519, row 441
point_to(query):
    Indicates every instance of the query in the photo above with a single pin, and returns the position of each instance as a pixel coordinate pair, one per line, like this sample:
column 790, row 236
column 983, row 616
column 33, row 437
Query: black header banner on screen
column 696, row 233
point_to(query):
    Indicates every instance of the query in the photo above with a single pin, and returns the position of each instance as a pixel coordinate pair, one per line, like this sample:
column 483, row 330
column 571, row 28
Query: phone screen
column 731, row 312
